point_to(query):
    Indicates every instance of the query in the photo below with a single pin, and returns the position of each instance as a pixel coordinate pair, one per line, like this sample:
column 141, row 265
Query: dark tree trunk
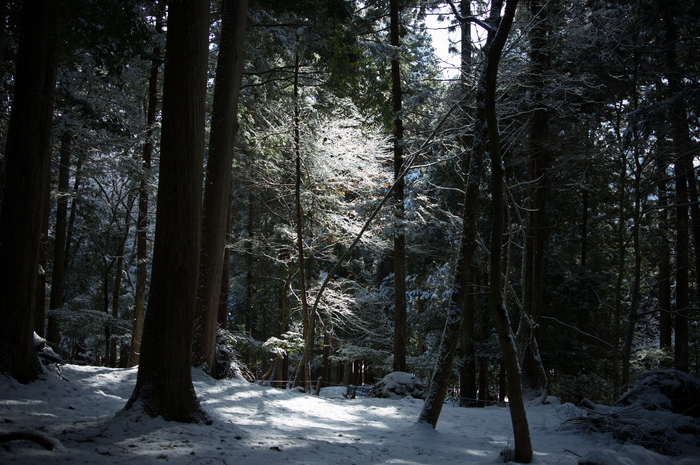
column 58, row 280
column 536, row 232
column 626, row 349
column 621, row 260
column 217, row 191
column 521, row 430
column 686, row 186
column 492, row 50
column 142, row 218
column 117, row 287
column 27, row 165
column 164, row 383
column 222, row 314
column 584, row 220
column 467, row 373
column 40, row 311
column 400, row 331
column 664, row 282
column 304, row 371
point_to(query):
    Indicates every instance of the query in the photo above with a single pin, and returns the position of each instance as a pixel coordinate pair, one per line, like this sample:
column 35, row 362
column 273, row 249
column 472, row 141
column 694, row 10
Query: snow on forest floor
column 254, row 424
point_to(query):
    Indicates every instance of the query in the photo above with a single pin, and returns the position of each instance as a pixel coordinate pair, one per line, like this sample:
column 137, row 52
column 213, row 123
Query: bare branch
column 469, row 19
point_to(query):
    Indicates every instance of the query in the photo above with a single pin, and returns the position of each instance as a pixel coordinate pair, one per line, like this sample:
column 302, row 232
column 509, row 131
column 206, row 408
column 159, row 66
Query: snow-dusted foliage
column 83, row 333
column 230, row 365
column 399, row 384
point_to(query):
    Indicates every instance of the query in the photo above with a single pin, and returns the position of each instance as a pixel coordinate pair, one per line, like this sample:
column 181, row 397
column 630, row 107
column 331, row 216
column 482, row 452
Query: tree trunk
column 493, row 48
column 686, row 187
column 400, row 331
column 664, row 281
column 304, row 371
column 536, row 236
column 626, row 350
column 40, row 311
column 521, row 430
column 117, row 287
column 27, row 160
column 164, row 383
column 621, row 258
column 467, row 373
column 217, row 191
column 222, row 317
column 58, row 280
column 142, row 218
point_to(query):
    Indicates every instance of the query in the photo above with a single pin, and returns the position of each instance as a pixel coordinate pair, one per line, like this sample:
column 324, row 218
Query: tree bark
column 142, row 218
column 27, row 165
column 400, row 330
column 164, row 383
column 304, row 371
column 467, row 372
column 40, row 311
column 500, row 28
column 536, row 231
column 58, row 280
column 686, row 187
column 521, row 430
column 664, row 281
column 217, row 191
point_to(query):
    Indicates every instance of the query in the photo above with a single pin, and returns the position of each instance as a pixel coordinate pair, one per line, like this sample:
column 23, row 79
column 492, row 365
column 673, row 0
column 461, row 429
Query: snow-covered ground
column 262, row 425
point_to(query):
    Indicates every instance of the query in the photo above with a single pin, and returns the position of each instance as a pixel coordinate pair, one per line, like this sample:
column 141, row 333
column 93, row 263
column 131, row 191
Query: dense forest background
column 349, row 126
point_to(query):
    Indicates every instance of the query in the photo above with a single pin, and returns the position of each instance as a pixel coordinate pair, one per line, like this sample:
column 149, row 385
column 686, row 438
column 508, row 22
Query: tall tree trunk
column 521, row 430
column 664, row 249
column 584, row 220
column 304, row 371
column 53, row 334
column 621, row 259
column 222, row 317
column 400, row 331
column 27, row 160
column 467, row 372
column 686, row 193
column 217, row 191
column 117, row 287
column 633, row 316
column 536, row 231
column 500, row 28
column 164, row 383
column 40, row 311
column 142, row 218
column 58, row 281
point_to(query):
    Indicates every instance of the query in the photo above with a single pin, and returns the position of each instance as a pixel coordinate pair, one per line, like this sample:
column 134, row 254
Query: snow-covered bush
column 669, row 390
column 399, row 384
column 659, row 411
column 229, row 363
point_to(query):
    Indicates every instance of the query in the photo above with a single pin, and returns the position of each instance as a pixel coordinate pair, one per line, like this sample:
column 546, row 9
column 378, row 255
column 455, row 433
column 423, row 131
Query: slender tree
column 535, row 241
column 27, row 168
column 484, row 130
column 217, row 191
column 164, row 382
column 400, row 330
column 58, row 281
column 143, row 199
column 506, row 339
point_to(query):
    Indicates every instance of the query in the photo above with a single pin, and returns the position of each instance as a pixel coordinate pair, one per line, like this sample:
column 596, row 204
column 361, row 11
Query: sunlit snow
column 255, row 424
